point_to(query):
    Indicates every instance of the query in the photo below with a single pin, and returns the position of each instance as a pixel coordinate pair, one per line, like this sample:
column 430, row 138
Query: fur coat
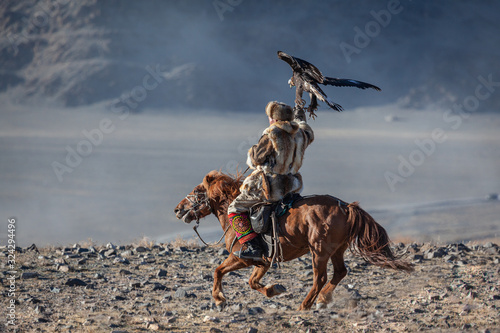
column 277, row 158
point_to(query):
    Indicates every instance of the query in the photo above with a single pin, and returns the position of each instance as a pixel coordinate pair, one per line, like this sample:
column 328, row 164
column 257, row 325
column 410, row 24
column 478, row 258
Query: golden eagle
column 306, row 77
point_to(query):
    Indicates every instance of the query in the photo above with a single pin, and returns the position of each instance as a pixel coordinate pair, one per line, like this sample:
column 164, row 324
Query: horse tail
column 369, row 240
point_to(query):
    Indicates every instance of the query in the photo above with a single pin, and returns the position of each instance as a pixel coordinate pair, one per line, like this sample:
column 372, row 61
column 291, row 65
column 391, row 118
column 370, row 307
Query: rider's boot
column 243, row 228
column 253, row 250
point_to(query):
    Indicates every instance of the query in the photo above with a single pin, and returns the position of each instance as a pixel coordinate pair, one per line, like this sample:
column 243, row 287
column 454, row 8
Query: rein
column 213, row 244
column 196, row 202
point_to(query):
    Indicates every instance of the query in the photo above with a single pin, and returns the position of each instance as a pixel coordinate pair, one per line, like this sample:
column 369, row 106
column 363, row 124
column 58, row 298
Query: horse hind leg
column 339, row 272
column 268, row 290
column 230, row 264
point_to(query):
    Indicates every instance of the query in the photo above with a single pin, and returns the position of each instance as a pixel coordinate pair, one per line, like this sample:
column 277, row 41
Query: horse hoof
column 320, row 306
column 274, row 290
column 279, row 289
column 221, row 306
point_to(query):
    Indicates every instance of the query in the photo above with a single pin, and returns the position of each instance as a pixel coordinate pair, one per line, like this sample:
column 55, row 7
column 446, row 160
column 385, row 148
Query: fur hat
column 279, row 111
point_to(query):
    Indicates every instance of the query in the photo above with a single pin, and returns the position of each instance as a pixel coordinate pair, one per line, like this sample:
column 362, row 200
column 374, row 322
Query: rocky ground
column 167, row 287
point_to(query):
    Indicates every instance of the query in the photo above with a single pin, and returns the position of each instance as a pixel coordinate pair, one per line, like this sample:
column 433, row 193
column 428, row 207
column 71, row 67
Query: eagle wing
column 348, row 83
column 302, row 67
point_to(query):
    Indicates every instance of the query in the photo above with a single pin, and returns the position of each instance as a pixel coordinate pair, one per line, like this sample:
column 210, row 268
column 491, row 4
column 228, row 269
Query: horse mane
column 223, row 186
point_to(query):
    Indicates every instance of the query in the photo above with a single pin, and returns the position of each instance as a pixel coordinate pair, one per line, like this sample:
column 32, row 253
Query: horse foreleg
column 230, row 264
column 320, row 261
column 339, row 272
column 269, row 290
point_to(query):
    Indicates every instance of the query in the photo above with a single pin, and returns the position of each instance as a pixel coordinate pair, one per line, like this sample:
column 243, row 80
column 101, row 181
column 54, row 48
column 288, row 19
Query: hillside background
column 222, row 54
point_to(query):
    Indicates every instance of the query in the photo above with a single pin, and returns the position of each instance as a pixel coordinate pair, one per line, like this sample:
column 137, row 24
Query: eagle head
column 291, row 83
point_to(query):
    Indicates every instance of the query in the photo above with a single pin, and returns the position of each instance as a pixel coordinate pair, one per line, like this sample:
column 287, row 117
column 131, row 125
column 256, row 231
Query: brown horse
column 322, row 225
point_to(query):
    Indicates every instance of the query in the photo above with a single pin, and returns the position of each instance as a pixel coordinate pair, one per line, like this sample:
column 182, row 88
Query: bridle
column 196, row 202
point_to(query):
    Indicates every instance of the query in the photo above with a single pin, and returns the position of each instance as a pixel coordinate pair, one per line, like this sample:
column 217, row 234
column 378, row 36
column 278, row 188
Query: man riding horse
column 275, row 161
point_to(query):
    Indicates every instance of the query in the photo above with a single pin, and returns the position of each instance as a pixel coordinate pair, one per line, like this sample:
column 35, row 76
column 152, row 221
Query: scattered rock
column 141, row 249
column 75, row 282
column 215, row 330
column 29, row 275
column 111, row 246
column 63, row 268
column 163, row 253
column 255, row 310
column 166, row 299
column 171, row 319
column 33, row 248
column 181, row 293
column 489, row 245
column 159, row 286
column 82, row 250
column 121, row 260
column 437, row 253
column 135, row 284
column 417, row 258
column 450, row 258
column 153, row 326
column 210, row 319
column 161, row 273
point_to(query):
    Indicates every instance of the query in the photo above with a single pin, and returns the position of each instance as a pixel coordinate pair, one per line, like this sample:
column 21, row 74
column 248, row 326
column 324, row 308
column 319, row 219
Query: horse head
column 196, row 205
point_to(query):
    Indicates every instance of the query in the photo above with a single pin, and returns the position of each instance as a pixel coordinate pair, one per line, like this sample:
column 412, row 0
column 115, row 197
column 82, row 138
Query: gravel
column 455, row 287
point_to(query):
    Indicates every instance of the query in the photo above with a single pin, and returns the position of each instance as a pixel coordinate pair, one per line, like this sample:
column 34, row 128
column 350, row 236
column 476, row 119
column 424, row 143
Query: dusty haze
column 178, row 90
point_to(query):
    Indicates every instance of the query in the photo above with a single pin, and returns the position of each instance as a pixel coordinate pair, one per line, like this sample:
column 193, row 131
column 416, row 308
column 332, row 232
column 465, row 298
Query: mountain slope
column 223, row 53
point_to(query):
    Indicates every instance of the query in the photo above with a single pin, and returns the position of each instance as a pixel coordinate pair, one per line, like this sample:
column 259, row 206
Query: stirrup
column 255, row 248
column 239, row 255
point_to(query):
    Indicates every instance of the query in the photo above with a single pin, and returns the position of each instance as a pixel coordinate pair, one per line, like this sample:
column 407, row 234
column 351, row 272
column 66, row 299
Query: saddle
column 261, row 218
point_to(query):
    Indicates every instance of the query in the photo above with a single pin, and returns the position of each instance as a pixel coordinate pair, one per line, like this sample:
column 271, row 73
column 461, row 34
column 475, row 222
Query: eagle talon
column 311, row 110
